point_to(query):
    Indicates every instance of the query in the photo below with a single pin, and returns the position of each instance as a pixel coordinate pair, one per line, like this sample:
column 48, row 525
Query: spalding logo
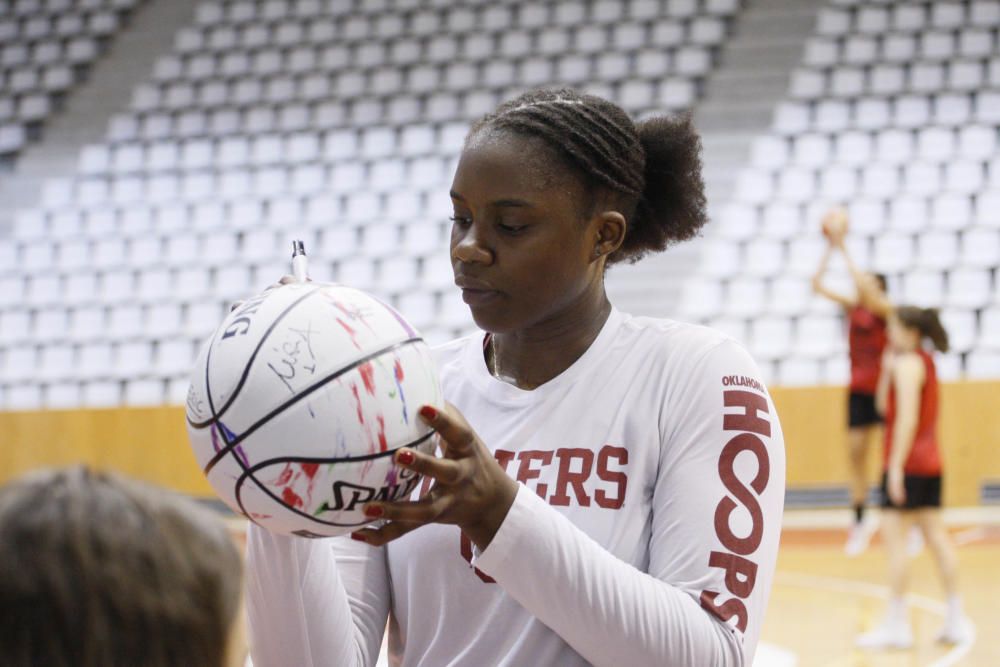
column 347, row 496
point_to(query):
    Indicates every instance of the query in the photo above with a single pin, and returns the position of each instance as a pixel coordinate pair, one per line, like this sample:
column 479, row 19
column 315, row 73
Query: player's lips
column 476, row 292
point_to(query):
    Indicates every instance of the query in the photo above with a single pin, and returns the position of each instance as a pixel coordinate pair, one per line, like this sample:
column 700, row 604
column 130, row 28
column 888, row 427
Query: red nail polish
column 374, row 511
column 358, row 537
column 428, row 413
column 406, row 457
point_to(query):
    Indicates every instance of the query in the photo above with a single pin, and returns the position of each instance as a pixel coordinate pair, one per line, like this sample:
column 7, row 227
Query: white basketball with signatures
column 298, row 402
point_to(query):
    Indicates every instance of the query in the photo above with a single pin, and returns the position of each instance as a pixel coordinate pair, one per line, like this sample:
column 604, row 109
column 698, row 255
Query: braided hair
column 651, row 168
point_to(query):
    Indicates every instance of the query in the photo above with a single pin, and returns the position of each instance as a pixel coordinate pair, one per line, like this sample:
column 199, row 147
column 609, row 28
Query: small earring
column 597, row 252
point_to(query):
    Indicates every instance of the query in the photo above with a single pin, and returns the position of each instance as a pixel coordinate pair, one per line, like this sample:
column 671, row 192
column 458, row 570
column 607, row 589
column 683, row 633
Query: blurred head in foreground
column 100, row 570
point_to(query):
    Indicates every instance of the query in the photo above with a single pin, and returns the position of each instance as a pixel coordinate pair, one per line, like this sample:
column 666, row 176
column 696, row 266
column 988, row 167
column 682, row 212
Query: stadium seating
column 894, row 112
column 46, row 47
column 336, row 122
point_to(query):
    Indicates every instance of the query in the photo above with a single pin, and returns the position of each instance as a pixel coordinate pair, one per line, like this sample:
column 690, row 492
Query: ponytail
column 672, row 207
column 928, row 322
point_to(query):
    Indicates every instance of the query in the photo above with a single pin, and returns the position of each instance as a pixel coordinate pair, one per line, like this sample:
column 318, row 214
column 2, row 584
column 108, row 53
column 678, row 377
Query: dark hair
column 101, row 571
column 653, row 167
column 927, row 322
column 882, row 281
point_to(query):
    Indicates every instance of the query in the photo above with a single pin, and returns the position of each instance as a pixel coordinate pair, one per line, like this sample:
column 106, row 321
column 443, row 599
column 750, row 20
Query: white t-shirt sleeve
column 315, row 603
column 701, row 603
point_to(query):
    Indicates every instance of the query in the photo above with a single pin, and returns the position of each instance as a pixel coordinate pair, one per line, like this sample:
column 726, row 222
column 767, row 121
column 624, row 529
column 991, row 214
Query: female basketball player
column 911, row 485
column 610, row 489
column 98, row 570
column 866, row 312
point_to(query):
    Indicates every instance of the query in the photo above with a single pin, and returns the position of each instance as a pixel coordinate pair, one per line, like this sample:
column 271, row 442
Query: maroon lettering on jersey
column 576, row 479
column 748, row 421
column 525, row 472
column 740, row 572
column 744, row 442
column 617, row 477
column 575, row 468
column 731, row 608
column 503, row 457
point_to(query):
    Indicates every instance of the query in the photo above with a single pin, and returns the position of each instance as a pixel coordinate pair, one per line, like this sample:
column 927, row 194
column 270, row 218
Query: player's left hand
column 895, row 487
column 470, row 488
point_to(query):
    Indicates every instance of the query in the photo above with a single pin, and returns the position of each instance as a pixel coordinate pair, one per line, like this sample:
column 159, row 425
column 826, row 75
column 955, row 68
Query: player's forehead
column 495, row 159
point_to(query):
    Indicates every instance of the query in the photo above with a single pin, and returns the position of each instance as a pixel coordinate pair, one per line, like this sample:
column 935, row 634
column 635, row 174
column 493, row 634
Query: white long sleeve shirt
column 644, row 532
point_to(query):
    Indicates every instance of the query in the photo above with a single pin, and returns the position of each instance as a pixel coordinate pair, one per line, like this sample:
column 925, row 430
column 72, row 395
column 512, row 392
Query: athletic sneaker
column 957, row 630
column 891, row 634
column 858, row 537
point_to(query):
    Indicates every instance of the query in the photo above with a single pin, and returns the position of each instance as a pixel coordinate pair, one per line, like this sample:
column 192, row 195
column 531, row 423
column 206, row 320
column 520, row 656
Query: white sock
column 955, row 606
column 897, row 611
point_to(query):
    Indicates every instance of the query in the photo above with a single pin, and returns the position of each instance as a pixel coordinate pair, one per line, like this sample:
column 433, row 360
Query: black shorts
column 920, row 492
column 861, row 410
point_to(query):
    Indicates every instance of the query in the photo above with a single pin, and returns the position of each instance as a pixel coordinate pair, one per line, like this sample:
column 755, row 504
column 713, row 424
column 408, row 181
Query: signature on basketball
column 295, row 356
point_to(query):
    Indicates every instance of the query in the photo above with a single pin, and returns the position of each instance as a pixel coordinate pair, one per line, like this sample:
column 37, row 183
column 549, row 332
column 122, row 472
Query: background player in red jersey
column 911, row 484
column 866, row 313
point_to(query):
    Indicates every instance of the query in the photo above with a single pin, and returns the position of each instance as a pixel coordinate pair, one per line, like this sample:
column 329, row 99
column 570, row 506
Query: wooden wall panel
column 148, row 443
column 151, row 443
column 815, row 426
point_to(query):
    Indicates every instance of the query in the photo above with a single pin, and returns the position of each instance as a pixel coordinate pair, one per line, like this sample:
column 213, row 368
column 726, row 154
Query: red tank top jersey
column 925, row 457
column 866, row 340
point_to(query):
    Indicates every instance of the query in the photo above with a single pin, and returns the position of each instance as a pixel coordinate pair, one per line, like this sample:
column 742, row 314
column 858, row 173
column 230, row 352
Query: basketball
column 298, row 402
column 835, row 223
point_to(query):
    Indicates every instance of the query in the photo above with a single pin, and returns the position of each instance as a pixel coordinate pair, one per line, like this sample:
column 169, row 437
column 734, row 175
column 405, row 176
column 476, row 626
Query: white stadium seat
column 745, row 296
column 925, row 289
column 818, row 336
column 62, row 395
column 980, row 248
column 720, row 258
column 969, row 288
column 144, row 392
column 893, row 254
column 986, row 106
column 982, row 364
column 763, row 257
column 961, row 328
column 937, row 250
column 770, row 337
column 799, row 372
column 789, row 295
column 908, row 214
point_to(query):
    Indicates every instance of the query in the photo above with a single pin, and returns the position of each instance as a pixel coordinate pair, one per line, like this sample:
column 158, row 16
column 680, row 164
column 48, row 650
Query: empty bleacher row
column 337, row 122
column 894, row 113
column 45, row 49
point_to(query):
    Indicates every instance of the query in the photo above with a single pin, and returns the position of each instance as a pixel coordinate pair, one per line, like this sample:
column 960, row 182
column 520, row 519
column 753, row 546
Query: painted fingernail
column 405, row 457
column 359, row 537
column 373, row 511
column 428, row 413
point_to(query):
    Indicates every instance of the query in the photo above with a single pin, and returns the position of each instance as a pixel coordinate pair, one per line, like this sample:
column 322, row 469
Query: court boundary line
column 838, row 585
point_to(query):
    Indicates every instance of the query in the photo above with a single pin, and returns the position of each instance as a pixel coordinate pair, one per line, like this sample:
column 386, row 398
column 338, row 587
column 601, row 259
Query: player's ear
column 609, row 228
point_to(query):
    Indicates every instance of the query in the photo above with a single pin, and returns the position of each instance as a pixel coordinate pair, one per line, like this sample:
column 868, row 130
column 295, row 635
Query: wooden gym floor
column 821, row 599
